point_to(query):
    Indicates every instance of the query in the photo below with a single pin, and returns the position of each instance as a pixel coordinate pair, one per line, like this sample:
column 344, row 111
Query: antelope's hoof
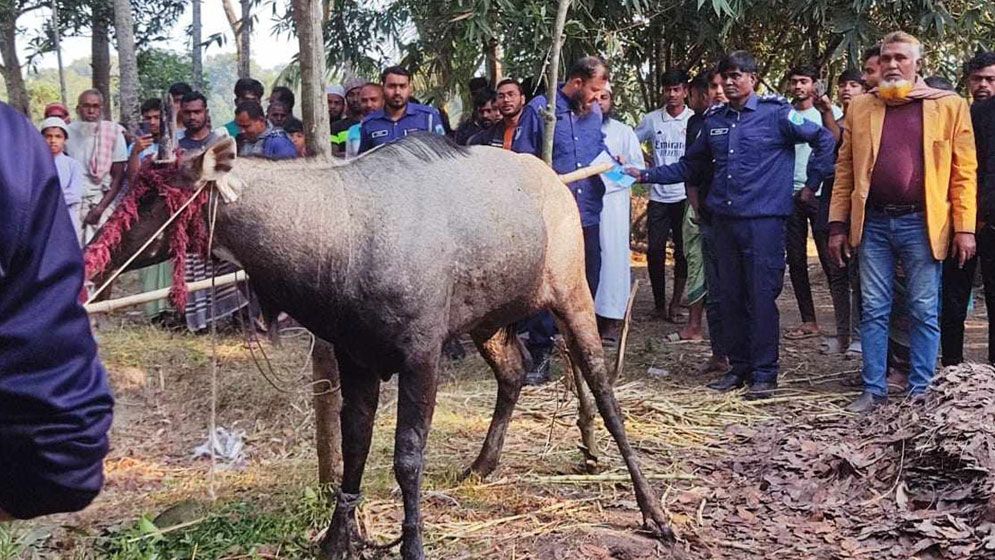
column 659, row 529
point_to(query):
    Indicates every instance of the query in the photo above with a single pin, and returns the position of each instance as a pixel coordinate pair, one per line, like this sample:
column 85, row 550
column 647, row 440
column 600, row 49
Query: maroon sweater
column 898, row 176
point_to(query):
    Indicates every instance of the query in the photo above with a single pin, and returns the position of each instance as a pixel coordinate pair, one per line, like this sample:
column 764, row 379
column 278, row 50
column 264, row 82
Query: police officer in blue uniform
column 400, row 116
column 55, row 405
column 577, row 140
column 749, row 145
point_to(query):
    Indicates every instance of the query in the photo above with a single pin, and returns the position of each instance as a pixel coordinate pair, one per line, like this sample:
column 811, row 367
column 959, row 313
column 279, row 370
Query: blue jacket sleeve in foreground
column 55, row 406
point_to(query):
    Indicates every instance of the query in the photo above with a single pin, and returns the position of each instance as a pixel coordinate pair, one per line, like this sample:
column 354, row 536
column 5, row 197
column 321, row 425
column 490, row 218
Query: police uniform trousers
column 750, row 253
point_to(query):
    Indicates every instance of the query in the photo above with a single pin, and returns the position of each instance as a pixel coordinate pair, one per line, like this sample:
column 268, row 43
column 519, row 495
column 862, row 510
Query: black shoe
column 866, row 402
column 726, row 383
column 760, row 390
column 539, row 374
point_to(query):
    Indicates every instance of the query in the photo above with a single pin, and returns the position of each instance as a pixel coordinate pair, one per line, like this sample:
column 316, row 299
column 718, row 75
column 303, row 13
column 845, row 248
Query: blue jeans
column 887, row 239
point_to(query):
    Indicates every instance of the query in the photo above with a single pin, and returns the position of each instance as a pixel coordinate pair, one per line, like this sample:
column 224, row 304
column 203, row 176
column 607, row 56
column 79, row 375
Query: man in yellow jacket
column 906, row 183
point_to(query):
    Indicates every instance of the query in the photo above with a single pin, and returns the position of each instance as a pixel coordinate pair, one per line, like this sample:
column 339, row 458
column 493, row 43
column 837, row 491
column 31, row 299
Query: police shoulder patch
column 773, row 98
column 714, row 109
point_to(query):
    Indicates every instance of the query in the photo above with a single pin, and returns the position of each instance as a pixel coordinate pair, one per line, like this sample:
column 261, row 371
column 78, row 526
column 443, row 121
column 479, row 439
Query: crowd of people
column 893, row 184
column 894, row 180
column 891, row 178
column 736, row 183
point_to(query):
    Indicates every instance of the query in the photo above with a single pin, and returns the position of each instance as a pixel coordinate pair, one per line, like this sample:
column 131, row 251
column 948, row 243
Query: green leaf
column 146, row 527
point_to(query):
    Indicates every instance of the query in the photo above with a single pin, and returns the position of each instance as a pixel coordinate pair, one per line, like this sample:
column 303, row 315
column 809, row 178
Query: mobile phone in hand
column 145, row 128
column 820, row 89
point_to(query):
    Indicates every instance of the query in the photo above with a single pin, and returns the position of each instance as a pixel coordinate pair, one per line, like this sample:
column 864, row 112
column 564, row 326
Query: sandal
column 800, row 333
column 675, row 338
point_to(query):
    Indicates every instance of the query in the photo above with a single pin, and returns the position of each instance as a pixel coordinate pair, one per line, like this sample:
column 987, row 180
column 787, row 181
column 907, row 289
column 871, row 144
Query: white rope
column 213, row 424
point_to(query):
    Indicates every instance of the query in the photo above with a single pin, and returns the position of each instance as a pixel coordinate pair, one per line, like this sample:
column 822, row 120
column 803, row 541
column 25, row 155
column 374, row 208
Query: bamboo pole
column 585, row 172
column 137, row 299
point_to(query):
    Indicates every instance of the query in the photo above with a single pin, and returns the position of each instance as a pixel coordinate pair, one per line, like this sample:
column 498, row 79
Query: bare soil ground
column 533, row 507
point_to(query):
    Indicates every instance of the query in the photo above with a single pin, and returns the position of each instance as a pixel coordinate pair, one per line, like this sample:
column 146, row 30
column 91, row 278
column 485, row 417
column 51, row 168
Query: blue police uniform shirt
column 752, row 156
column 55, row 405
column 377, row 129
column 577, row 140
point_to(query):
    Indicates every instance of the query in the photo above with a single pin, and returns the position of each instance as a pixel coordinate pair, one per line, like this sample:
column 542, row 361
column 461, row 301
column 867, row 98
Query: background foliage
column 448, row 41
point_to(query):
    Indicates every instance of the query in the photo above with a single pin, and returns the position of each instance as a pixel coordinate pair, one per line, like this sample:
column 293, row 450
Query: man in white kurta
column 99, row 147
column 615, row 277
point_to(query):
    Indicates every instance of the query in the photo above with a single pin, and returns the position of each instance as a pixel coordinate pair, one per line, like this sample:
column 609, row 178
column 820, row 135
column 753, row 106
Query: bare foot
column 675, row 315
column 834, row 345
column 691, row 333
column 802, row 331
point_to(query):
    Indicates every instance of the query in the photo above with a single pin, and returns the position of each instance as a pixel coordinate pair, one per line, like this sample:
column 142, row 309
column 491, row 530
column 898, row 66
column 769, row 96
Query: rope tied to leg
column 348, row 503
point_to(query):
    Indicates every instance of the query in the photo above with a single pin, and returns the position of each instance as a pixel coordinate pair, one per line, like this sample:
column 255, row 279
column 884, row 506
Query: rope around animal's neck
column 145, row 245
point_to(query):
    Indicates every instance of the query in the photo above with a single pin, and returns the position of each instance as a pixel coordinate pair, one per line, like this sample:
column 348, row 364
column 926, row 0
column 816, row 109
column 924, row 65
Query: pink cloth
column 103, row 150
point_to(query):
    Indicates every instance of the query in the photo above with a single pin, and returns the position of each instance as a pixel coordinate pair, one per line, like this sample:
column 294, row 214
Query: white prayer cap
column 335, row 89
column 54, row 122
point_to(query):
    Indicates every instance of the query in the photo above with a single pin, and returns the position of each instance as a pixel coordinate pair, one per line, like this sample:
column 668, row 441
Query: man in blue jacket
column 749, row 142
column 259, row 138
column 577, row 140
column 55, row 406
column 399, row 116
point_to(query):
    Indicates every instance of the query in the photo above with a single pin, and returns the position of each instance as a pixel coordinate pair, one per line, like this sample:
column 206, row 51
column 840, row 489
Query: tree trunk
column 124, row 25
column 494, row 55
column 314, row 107
column 234, row 22
column 17, row 92
column 552, row 78
column 327, row 410
column 245, row 32
column 57, row 40
column 100, row 54
column 198, row 63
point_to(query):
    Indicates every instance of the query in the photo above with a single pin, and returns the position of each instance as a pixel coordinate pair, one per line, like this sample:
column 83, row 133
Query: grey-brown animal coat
column 388, row 256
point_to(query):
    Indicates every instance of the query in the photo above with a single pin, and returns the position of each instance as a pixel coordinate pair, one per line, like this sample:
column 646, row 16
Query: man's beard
column 895, row 90
column 512, row 115
column 578, row 104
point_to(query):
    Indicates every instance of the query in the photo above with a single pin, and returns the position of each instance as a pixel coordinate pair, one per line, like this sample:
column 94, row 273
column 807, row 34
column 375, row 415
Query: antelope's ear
column 214, row 165
column 216, row 161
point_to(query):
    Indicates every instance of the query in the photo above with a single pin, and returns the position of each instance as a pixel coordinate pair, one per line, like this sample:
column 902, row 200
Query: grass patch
column 235, row 529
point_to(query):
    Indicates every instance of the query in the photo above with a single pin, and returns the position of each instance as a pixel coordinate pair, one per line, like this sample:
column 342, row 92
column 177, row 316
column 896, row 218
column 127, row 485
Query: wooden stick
column 136, row 299
column 585, row 172
column 586, row 408
column 624, row 337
